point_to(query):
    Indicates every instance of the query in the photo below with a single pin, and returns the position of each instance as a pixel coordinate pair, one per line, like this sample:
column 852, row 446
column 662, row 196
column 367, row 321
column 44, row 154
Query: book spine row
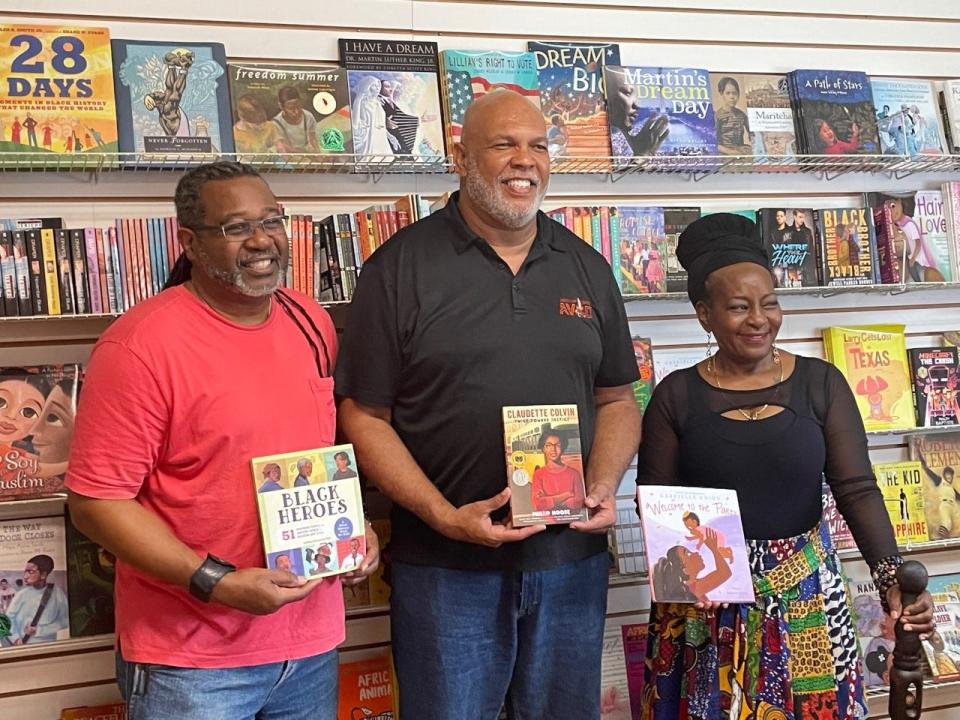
column 83, row 271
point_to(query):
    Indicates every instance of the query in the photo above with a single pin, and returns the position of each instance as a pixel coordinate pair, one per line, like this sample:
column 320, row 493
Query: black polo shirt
column 443, row 333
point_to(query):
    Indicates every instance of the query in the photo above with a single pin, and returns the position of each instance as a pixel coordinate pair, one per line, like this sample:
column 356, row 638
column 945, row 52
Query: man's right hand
column 261, row 592
column 472, row 523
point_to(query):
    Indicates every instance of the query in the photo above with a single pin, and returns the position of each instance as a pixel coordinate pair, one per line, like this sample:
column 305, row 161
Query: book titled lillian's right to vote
column 544, row 464
column 695, row 544
column 311, row 512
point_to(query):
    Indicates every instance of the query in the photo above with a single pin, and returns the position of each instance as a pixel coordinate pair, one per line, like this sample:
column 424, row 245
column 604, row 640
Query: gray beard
column 490, row 198
column 234, row 280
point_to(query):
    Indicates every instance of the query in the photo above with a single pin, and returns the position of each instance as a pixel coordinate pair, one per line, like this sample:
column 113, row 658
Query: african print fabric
column 792, row 655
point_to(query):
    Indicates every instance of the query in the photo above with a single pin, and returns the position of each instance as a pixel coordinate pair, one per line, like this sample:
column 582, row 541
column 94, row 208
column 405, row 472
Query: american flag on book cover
column 469, row 75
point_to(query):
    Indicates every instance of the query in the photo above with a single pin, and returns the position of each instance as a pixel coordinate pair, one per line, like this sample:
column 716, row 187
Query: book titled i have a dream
column 311, row 511
column 695, row 545
column 544, row 464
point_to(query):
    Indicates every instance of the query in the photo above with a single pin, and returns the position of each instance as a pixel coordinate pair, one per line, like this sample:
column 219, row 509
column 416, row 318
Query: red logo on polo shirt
column 576, row 307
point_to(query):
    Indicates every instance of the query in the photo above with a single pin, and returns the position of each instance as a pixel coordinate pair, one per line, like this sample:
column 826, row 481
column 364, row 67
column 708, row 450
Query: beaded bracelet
column 884, row 574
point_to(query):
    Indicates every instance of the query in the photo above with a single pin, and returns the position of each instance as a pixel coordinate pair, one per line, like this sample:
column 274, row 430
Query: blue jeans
column 465, row 642
column 291, row 690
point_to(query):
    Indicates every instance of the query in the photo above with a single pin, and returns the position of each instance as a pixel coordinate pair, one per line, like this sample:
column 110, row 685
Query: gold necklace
column 756, row 412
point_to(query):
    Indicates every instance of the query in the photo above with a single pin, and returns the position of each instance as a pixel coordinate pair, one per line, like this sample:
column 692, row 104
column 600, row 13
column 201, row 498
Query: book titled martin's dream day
column 695, row 544
column 544, row 464
column 311, row 512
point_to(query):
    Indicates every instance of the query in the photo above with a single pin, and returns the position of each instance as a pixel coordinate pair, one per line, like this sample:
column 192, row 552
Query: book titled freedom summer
column 544, row 464
column 311, row 512
column 695, row 546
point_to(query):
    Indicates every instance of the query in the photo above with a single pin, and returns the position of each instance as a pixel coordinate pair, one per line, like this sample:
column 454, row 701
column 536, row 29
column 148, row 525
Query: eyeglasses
column 242, row 230
column 552, row 445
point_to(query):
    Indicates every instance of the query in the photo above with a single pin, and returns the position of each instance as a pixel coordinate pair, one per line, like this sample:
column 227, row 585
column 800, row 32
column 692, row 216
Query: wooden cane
column 906, row 675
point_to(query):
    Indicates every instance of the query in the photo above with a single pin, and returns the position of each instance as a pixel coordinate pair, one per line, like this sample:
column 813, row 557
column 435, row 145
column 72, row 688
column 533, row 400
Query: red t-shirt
column 176, row 402
column 548, row 482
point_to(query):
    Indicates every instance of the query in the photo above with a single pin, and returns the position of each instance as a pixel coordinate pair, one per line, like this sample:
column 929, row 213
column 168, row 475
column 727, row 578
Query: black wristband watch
column 207, row 576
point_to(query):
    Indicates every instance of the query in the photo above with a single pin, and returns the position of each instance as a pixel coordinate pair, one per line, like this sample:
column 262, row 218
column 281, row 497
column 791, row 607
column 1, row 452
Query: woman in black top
column 770, row 425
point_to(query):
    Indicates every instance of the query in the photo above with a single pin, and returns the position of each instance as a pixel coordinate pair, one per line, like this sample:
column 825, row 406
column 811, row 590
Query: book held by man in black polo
column 544, row 464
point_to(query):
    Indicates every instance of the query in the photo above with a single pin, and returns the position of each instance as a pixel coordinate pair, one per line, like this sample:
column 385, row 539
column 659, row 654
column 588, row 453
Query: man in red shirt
column 160, row 475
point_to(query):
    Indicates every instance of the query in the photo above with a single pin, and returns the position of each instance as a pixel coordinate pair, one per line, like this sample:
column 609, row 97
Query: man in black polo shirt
column 455, row 317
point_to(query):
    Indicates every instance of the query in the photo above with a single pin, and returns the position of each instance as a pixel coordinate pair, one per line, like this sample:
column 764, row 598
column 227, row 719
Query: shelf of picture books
column 893, row 243
column 78, row 99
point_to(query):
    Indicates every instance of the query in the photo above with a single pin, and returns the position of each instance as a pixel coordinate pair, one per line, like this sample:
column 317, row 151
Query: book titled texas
column 172, row 98
column 311, row 511
column 695, row 544
column 873, row 358
column 544, row 464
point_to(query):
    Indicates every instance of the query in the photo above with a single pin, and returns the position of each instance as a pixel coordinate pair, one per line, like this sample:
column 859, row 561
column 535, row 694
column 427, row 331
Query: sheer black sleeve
column 848, row 470
column 657, row 458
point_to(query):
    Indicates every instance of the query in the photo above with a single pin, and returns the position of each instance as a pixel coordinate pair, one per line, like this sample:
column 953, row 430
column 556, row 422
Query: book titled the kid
column 311, row 511
column 695, row 546
column 544, row 464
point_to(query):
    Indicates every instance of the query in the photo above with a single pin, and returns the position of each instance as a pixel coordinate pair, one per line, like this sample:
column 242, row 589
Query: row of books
column 47, row 269
column 384, row 100
column 327, row 255
column 900, row 238
column 896, row 388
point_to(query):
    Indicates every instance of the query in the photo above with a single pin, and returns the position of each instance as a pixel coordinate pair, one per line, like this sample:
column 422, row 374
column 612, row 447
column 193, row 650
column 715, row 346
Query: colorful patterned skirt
column 790, row 656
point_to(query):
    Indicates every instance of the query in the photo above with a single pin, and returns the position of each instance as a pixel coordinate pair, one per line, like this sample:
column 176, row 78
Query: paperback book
column 790, row 238
column 172, row 98
column 279, row 109
column 936, row 385
column 33, row 582
column 939, row 457
column 643, row 388
column 904, row 253
column 908, row 118
column 833, row 112
column 675, row 221
column 469, row 74
column 57, row 95
column 660, row 111
column 571, row 82
column 949, row 103
column 311, row 511
column 394, row 98
column 875, row 629
column 91, row 574
column 642, row 247
column 614, row 686
column 695, row 544
column 37, row 428
column 114, row 711
column 945, row 582
column 753, row 115
column 873, row 358
column 847, row 247
column 839, row 530
column 368, row 690
column 930, row 216
column 902, row 490
column 942, row 646
column 544, row 464
column 635, row 654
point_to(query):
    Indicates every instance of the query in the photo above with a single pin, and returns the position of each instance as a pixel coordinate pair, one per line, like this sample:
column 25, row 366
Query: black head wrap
column 715, row 241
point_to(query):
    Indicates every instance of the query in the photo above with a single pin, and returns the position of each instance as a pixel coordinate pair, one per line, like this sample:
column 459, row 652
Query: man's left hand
column 917, row 617
column 602, row 507
column 371, row 560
